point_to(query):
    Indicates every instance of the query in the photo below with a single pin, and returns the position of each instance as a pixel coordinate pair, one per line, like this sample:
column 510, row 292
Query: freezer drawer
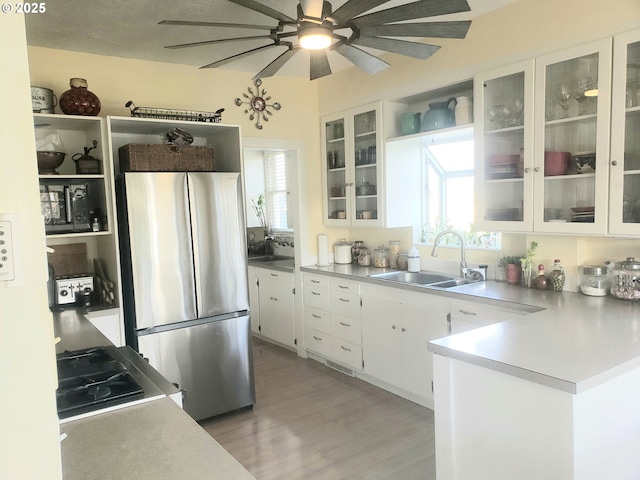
column 210, row 362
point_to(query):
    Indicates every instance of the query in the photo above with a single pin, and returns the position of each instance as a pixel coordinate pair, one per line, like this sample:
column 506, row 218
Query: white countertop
column 573, row 343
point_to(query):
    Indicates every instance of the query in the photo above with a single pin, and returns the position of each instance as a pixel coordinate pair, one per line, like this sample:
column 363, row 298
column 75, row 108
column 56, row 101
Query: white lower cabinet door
column 346, row 353
column 419, row 325
column 276, row 311
column 317, row 342
column 380, row 339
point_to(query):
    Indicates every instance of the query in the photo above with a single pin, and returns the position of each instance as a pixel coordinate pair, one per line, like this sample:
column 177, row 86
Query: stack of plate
column 583, row 214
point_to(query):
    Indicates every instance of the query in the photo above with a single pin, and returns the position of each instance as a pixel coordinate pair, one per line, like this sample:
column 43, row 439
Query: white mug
column 365, row 214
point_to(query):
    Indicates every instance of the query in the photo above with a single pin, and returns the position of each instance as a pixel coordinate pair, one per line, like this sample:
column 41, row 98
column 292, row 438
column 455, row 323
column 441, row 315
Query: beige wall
column 29, row 448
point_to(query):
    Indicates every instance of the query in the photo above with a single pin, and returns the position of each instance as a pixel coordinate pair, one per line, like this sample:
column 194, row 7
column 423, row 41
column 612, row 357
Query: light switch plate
column 9, row 229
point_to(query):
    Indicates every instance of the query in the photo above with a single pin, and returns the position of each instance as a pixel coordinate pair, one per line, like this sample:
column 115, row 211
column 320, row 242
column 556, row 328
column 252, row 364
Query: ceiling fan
column 318, row 28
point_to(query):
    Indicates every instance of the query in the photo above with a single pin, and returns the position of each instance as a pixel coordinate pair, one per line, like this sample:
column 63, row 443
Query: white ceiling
column 126, row 28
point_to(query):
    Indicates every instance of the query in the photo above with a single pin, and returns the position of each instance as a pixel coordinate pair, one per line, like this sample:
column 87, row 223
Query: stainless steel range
column 100, row 379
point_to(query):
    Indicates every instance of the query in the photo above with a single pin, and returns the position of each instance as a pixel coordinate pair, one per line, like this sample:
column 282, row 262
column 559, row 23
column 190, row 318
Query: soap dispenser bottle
column 413, row 259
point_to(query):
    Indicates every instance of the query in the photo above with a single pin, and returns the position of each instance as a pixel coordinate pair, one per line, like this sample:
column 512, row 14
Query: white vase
column 464, row 111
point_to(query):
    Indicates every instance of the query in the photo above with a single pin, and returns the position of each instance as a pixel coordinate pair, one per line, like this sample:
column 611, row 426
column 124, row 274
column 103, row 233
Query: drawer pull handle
column 345, row 324
column 275, row 299
column 317, row 338
column 273, row 274
column 404, row 329
column 343, row 287
column 315, row 281
column 344, row 300
column 315, row 293
column 393, row 327
column 466, row 312
column 345, row 348
column 316, row 316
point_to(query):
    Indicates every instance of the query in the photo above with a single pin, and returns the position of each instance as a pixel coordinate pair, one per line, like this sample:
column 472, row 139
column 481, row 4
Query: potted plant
column 258, row 208
column 512, row 267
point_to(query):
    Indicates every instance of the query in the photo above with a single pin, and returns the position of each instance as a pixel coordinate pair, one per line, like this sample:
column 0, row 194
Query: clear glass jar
column 625, row 282
column 594, row 281
column 381, row 257
column 556, row 277
column 403, row 261
column 355, row 249
column 394, row 252
column 364, row 257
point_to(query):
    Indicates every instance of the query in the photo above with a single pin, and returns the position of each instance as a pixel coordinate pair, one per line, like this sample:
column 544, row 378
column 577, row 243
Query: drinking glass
column 517, row 107
column 564, row 99
column 581, row 86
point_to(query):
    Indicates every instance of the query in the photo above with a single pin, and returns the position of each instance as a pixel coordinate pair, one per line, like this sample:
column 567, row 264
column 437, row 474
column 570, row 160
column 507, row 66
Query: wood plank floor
column 311, row 422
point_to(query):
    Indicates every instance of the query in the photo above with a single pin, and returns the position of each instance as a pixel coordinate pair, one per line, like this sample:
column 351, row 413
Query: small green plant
column 258, row 208
column 510, row 259
column 527, row 260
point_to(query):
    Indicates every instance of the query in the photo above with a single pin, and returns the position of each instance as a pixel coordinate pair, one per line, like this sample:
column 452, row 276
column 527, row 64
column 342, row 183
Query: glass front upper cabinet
column 571, row 143
column 625, row 141
column 504, row 155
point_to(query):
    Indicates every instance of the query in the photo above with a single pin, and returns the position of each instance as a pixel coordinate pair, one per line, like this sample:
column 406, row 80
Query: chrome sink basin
column 454, row 282
column 416, row 278
column 269, row 258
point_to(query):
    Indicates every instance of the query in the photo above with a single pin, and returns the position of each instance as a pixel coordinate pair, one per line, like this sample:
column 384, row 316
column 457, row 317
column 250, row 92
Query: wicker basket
column 137, row 157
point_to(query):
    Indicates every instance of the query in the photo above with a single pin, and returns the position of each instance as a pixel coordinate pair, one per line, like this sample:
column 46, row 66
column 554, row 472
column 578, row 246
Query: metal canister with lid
column 625, row 282
column 594, row 280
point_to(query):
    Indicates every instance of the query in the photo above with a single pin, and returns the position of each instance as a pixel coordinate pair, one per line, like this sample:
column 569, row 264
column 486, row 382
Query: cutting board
column 70, row 259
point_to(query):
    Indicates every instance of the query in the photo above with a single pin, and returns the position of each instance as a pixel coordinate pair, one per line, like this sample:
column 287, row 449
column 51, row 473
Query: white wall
column 29, row 448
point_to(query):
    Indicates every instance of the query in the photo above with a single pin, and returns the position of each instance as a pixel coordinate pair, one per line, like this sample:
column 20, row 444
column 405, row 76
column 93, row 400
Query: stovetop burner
column 91, row 379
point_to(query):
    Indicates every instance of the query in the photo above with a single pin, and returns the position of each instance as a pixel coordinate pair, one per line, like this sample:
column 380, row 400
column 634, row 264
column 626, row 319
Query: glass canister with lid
column 381, row 257
column 625, row 281
column 394, row 252
column 594, row 280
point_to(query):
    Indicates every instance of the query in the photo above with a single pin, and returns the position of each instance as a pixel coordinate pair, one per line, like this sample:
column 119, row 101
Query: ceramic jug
column 439, row 115
column 464, row 111
column 409, row 123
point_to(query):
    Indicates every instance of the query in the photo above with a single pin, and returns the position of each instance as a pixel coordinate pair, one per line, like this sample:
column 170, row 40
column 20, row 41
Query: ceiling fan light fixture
column 314, row 38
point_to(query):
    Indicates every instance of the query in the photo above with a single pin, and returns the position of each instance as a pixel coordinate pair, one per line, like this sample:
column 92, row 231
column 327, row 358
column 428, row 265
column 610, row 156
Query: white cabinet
column 276, row 305
column 254, row 298
column 353, row 167
column 332, row 319
column 396, row 326
column 68, row 219
column 624, row 214
column 466, row 315
column 531, row 132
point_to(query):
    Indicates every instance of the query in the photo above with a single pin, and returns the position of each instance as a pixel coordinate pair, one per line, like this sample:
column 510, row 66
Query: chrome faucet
column 463, row 261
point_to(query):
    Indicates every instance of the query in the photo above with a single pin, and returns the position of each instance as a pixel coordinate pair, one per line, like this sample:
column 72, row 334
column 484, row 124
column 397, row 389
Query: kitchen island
column 152, row 440
column 553, row 394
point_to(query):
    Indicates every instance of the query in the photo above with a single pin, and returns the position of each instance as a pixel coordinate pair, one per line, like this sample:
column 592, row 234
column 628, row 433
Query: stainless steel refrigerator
column 186, row 301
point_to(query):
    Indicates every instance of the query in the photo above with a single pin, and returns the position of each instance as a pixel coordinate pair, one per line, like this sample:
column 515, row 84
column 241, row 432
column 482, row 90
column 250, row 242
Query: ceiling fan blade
column 312, row 8
column 426, row 29
column 367, row 62
column 353, row 8
column 271, row 69
column 232, row 58
column 259, row 7
column 215, row 24
column 319, row 65
column 411, row 11
column 421, row 51
column 223, row 40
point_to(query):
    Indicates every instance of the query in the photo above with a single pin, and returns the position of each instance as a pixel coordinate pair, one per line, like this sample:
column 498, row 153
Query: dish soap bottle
column 556, row 277
column 413, row 259
column 541, row 279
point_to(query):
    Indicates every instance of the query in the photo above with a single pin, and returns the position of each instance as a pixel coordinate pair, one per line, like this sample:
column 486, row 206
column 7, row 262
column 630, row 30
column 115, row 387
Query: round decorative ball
column 78, row 100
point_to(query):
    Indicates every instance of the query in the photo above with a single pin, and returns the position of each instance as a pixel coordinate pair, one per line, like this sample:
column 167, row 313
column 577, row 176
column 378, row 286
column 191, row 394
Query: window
column 448, row 197
column 275, row 176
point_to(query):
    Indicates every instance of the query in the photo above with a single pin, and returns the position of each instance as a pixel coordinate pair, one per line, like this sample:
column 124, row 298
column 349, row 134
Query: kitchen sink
column 418, row 278
column 269, row 258
column 454, row 282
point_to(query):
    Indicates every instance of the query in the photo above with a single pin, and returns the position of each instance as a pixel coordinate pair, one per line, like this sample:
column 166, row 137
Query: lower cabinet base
column 275, row 342
column 331, row 363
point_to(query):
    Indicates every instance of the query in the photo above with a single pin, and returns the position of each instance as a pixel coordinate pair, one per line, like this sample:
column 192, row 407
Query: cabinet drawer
column 345, row 304
column 316, row 297
column 316, row 280
column 266, row 275
column 483, row 314
column 344, row 286
column 346, row 353
column 346, row 328
column 317, row 342
column 316, row 319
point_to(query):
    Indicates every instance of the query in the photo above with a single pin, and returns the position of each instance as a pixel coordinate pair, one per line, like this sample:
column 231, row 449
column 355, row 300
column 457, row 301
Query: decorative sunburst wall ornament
column 258, row 108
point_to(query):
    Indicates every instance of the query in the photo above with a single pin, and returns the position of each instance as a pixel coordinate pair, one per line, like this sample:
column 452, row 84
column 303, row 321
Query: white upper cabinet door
column 571, row 142
column 504, row 148
column 624, row 209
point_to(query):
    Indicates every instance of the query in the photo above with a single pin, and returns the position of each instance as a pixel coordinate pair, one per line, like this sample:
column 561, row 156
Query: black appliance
column 93, row 379
column 67, row 205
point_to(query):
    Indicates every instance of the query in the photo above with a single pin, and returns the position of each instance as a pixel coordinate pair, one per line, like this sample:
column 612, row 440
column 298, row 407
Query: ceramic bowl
column 49, row 161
